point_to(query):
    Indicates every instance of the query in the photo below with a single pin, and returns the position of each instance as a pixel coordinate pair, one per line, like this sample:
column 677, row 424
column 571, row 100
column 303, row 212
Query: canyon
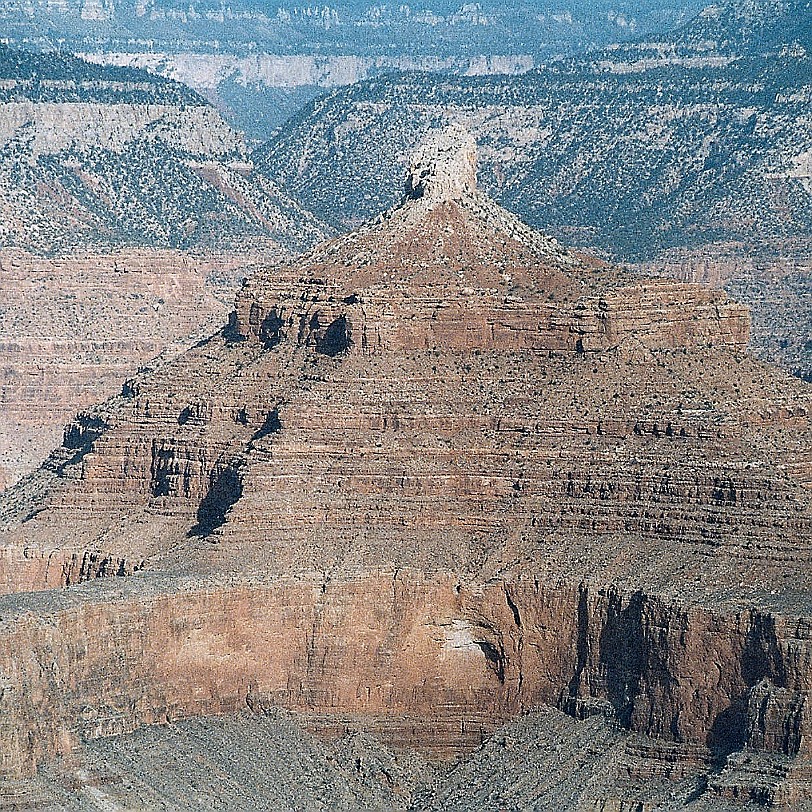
column 72, row 328
column 129, row 219
column 686, row 148
column 696, row 137
column 433, row 475
column 259, row 92
column 102, row 158
column 113, row 165
column 258, row 64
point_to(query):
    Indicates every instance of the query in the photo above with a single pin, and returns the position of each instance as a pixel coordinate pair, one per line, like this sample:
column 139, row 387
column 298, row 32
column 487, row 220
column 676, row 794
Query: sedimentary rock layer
column 73, row 328
column 431, row 474
column 774, row 281
column 108, row 157
column 419, row 653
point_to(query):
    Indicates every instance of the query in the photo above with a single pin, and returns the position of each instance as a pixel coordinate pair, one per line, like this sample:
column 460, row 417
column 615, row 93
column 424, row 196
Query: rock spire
column 444, row 166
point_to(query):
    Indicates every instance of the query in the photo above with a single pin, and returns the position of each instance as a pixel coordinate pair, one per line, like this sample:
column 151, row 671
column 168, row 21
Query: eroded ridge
column 435, row 473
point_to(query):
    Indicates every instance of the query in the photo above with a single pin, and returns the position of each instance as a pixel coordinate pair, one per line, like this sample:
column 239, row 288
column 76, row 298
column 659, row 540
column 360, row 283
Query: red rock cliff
column 520, row 476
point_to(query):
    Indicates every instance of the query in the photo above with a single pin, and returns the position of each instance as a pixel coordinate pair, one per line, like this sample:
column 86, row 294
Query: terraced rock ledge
column 434, row 475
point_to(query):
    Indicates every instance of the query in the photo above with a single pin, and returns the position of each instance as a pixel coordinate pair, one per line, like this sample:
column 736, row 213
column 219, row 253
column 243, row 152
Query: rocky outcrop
column 74, row 327
column 774, row 282
column 433, row 474
column 444, row 168
column 57, row 127
column 442, row 663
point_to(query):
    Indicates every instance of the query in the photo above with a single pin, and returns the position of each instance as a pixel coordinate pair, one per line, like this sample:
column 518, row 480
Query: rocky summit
column 433, row 475
column 688, row 152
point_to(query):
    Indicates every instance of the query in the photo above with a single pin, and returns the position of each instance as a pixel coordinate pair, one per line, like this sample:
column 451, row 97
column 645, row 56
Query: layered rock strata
column 73, row 327
column 775, row 283
column 432, row 474
column 96, row 157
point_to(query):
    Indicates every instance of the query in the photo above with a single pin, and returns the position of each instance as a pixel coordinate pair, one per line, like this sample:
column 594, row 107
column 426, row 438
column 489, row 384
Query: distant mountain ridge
column 107, row 157
column 60, row 77
column 258, row 62
column 630, row 162
column 753, row 25
column 348, row 27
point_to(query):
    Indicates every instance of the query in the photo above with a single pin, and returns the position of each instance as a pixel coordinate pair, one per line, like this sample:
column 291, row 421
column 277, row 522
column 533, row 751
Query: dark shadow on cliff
column 272, row 425
column 623, row 653
column 336, row 338
column 572, row 704
column 761, row 659
column 225, row 491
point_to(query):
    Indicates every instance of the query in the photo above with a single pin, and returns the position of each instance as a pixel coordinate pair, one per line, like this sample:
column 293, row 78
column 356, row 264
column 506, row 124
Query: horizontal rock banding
column 400, row 644
column 519, row 475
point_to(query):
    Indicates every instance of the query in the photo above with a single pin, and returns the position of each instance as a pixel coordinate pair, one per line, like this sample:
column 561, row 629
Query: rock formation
column 695, row 141
column 444, row 168
column 432, row 475
column 776, row 284
column 95, row 156
column 73, row 327
column 97, row 166
column 669, row 142
column 544, row 761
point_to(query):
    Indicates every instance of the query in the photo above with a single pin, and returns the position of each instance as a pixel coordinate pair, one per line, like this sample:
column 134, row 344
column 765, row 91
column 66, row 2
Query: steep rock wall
column 658, row 314
column 413, row 648
column 54, row 127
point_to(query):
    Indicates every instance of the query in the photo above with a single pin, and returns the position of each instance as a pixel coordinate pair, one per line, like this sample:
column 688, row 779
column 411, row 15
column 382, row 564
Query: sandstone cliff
column 72, row 328
column 775, row 281
column 434, row 474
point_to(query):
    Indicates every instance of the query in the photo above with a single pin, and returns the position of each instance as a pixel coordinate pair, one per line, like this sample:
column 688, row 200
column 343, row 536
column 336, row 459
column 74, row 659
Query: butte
column 433, row 474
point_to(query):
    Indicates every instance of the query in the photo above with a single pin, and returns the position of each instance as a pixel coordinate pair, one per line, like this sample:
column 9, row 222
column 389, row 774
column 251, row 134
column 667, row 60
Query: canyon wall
column 412, row 650
column 774, row 281
column 73, row 328
column 654, row 313
column 100, row 157
column 205, row 72
column 432, row 474
column 54, row 127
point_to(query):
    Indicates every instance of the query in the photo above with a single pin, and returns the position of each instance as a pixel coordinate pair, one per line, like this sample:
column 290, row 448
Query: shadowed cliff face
column 433, row 473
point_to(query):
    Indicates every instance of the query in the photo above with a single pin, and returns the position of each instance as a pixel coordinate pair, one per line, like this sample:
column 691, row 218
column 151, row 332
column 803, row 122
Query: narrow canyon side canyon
column 434, row 475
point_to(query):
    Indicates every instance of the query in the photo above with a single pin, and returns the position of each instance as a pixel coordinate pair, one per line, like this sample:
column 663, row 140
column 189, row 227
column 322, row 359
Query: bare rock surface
column 774, row 281
column 432, row 475
column 72, row 328
column 544, row 761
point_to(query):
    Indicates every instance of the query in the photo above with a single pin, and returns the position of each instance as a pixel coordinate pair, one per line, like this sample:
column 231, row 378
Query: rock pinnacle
column 444, row 166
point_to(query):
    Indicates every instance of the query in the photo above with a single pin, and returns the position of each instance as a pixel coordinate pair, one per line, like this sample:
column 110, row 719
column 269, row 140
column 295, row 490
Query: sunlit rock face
column 432, row 474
